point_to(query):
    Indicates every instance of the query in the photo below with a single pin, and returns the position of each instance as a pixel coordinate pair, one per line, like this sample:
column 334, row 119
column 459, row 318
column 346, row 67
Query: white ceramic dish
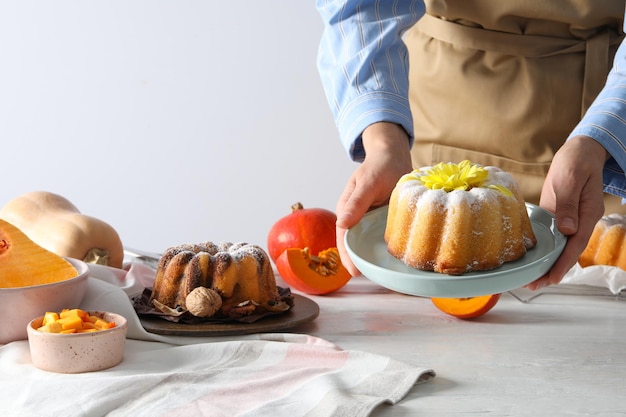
column 78, row 352
column 367, row 249
column 18, row 306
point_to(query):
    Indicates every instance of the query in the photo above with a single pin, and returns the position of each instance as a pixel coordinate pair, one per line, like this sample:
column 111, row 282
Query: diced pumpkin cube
column 92, row 319
column 103, row 324
column 50, row 317
column 89, row 325
column 74, row 312
column 53, row 327
column 70, row 322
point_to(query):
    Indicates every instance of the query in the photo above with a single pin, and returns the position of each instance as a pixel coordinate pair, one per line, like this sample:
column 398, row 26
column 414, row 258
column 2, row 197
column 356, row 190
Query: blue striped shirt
column 363, row 64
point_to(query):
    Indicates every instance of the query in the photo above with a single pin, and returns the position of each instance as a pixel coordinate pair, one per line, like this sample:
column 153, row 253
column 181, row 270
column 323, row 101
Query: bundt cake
column 240, row 274
column 607, row 245
column 457, row 218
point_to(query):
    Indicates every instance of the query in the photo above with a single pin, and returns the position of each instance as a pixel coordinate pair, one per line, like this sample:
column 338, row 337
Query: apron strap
column 596, row 64
column 530, row 46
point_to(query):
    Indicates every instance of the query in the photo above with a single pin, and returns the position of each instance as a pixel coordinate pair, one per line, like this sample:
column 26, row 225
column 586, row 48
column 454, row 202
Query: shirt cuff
column 613, row 177
column 614, row 180
column 369, row 108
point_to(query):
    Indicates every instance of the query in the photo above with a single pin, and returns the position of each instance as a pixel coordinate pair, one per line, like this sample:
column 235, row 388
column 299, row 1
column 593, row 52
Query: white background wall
column 174, row 121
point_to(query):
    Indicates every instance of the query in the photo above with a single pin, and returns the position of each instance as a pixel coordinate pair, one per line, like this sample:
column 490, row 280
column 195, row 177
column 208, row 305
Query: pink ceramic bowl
column 78, row 352
column 18, row 306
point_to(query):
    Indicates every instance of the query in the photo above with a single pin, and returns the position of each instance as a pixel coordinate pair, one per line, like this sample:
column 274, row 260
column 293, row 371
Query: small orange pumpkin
column 466, row 308
column 321, row 274
column 312, row 228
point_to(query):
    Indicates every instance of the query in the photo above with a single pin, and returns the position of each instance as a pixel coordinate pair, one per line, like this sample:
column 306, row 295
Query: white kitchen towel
column 237, row 378
column 272, row 374
column 610, row 277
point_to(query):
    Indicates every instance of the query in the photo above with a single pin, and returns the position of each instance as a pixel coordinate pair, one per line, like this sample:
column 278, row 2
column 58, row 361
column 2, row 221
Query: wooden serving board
column 304, row 310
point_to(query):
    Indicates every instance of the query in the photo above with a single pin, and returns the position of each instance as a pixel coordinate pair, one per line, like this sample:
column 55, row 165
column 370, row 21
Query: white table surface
column 557, row 355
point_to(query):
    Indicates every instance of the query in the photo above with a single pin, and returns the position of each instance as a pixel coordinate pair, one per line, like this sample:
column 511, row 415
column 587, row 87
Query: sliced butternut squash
column 24, row 263
column 53, row 222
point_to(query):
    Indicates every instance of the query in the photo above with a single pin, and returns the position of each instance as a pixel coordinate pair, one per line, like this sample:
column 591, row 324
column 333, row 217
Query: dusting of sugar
column 223, row 250
column 614, row 219
column 528, row 242
column 420, row 196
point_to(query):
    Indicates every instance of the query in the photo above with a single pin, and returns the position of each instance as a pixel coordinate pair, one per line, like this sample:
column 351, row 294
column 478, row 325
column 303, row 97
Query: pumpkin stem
column 296, row 207
column 97, row 256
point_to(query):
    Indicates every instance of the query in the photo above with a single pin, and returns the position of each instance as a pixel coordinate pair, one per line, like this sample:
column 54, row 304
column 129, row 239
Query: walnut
column 203, row 302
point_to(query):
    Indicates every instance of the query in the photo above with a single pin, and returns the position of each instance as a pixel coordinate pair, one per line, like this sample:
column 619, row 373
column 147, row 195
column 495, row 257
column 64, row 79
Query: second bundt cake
column 607, row 245
column 458, row 218
column 240, row 274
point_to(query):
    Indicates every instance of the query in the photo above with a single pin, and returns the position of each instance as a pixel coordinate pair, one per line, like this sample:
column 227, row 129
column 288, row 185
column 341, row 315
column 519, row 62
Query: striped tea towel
column 237, row 378
column 272, row 374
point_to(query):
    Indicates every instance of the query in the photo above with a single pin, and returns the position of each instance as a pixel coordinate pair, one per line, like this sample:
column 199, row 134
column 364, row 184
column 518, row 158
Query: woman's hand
column 387, row 158
column 573, row 191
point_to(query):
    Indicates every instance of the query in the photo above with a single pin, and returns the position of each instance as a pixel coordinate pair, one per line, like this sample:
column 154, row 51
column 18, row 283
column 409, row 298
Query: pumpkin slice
column 321, row 274
column 466, row 308
column 24, row 263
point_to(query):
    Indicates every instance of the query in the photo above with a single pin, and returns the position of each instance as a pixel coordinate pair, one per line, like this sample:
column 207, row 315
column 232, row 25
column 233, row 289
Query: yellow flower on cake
column 450, row 177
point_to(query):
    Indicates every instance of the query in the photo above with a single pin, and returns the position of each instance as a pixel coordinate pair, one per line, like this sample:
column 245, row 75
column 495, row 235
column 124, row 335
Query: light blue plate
column 367, row 248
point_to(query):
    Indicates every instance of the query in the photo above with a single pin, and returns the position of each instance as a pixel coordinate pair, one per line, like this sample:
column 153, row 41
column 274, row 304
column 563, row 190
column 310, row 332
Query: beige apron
column 504, row 82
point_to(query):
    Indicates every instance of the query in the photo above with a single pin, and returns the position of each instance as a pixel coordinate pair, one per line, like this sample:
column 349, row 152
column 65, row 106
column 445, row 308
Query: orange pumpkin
column 312, row 228
column 466, row 308
column 321, row 274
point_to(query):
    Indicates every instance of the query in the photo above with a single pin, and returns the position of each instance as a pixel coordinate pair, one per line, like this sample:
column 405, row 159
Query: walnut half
column 203, row 302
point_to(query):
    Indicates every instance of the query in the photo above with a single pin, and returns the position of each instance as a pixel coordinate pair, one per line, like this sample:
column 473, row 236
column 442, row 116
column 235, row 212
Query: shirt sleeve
column 605, row 121
column 363, row 65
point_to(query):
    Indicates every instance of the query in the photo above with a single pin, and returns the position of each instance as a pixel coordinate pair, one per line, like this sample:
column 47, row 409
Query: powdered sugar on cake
column 472, row 218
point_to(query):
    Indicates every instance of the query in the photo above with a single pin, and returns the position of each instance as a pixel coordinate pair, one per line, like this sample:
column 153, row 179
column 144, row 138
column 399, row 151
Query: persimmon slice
column 313, row 274
column 466, row 308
